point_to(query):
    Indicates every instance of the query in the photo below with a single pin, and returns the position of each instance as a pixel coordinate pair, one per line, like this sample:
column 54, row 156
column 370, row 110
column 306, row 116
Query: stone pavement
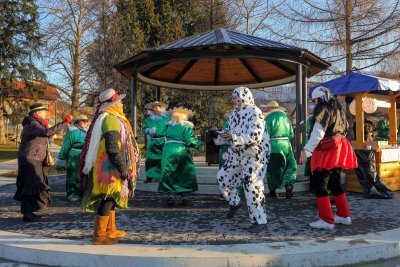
column 199, row 234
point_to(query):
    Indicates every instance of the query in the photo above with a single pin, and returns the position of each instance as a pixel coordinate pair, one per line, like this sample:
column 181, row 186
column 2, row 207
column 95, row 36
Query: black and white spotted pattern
column 247, row 158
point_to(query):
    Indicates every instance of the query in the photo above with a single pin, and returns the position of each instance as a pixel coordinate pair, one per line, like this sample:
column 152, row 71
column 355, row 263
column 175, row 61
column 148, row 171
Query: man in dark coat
column 32, row 183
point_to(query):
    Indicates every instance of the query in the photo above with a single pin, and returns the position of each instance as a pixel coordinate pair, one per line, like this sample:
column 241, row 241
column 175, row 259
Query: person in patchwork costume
column 154, row 129
column 70, row 152
column 247, row 158
column 111, row 161
column 178, row 169
column 282, row 166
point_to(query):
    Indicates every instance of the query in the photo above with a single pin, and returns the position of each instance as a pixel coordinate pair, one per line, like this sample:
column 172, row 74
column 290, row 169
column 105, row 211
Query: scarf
column 41, row 120
column 132, row 151
column 84, row 177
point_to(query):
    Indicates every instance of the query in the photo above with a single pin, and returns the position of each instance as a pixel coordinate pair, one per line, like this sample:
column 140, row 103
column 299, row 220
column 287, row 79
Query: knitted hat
column 108, row 98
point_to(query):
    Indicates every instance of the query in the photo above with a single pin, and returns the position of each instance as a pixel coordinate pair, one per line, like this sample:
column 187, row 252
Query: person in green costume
column 178, row 169
column 69, row 154
column 282, row 166
column 154, row 129
column 383, row 129
column 223, row 145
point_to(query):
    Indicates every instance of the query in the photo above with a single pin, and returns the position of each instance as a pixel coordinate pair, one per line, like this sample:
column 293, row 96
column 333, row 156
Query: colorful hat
column 108, row 98
column 36, row 107
column 155, row 103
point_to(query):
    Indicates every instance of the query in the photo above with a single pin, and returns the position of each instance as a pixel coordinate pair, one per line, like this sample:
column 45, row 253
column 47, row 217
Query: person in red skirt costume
column 330, row 152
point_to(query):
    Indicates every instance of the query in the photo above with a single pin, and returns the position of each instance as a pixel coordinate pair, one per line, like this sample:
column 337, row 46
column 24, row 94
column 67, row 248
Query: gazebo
column 222, row 60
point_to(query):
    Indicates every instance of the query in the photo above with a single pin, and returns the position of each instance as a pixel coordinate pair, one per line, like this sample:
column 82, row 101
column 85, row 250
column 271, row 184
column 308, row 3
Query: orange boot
column 100, row 236
column 112, row 231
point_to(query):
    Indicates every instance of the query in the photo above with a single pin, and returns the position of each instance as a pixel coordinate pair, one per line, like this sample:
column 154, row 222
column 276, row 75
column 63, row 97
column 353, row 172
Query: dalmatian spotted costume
column 247, row 158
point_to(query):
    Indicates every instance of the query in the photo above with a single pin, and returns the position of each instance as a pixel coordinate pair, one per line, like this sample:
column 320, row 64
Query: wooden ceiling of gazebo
column 220, row 60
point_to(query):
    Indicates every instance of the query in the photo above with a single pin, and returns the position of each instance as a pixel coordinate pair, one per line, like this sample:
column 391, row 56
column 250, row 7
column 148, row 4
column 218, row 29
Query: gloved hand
column 131, row 188
column 151, row 130
column 124, row 175
column 68, row 119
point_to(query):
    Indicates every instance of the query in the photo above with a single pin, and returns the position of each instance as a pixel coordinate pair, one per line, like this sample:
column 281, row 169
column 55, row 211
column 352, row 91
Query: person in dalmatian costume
column 247, row 158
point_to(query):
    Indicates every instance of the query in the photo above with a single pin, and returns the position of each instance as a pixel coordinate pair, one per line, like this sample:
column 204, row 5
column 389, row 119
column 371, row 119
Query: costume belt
column 174, row 141
column 154, row 138
column 280, row 138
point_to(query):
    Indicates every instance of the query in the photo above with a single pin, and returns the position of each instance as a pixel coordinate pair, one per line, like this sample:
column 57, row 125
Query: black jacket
column 35, row 137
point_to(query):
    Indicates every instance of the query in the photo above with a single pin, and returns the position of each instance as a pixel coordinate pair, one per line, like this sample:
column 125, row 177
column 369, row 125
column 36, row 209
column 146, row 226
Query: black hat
column 36, row 107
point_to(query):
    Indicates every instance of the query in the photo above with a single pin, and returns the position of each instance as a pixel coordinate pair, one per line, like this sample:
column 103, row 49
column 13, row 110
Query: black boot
column 148, row 180
column 272, row 194
column 30, row 217
column 255, row 228
column 232, row 211
column 171, row 199
column 289, row 191
column 184, row 199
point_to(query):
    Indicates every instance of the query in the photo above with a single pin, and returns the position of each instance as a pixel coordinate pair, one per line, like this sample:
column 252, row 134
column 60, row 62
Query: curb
column 334, row 252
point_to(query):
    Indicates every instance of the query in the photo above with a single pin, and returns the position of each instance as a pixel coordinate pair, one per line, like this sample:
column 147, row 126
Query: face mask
column 312, row 106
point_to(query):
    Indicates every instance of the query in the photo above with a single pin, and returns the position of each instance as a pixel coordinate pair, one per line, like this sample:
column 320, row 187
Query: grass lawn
column 8, row 152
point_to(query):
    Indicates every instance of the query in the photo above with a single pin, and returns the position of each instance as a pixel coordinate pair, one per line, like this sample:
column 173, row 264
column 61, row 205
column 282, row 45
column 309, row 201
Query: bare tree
column 349, row 33
column 69, row 33
column 251, row 16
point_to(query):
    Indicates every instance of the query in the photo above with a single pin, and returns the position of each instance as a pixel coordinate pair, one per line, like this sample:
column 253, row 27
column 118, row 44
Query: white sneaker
column 342, row 220
column 321, row 224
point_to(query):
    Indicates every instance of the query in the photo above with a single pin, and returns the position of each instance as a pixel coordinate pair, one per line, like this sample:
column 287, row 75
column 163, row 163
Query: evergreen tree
column 20, row 42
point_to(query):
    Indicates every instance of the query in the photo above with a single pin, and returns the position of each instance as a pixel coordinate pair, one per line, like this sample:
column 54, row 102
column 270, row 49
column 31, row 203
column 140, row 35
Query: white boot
column 321, row 224
column 342, row 220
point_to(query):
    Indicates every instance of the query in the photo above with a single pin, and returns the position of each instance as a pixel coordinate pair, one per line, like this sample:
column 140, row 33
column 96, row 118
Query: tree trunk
column 2, row 127
column 349, row 52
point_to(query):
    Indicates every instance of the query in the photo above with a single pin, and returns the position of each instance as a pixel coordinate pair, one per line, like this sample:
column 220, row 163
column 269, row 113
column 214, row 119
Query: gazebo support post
column 158, row 93
column 299, row 104
column 133, row 101
column 393, row 121
column 304, row 107
column 359, row 121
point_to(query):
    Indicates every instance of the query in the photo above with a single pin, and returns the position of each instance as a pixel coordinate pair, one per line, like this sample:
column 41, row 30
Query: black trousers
column 106, row 205
column 327, row 179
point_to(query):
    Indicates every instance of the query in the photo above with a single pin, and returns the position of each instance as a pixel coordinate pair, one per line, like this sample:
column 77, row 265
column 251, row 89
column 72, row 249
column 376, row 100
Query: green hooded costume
column 383, row 130
column 223, row 148
column 154, row 129
column 69, row 154
column 178, row 169
column 282, row 165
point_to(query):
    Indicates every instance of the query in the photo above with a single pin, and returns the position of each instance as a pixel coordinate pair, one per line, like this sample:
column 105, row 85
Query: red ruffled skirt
column 342, row 156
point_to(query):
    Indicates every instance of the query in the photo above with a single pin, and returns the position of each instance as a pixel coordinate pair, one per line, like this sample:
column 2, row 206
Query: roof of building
column 40, row 90
column 220, row 60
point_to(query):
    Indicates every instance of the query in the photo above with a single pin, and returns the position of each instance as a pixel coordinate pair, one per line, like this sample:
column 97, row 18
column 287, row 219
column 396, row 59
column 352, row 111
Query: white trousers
column 250, row 172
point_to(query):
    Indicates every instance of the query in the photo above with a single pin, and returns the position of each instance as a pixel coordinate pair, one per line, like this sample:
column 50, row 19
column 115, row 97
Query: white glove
column 151, row 130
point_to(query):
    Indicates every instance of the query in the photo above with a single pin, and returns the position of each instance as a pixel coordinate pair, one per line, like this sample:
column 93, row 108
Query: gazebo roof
column 220, row 60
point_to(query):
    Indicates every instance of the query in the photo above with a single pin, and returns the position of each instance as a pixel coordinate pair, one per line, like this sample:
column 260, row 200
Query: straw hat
column 182, row 111
column 80, row 117
column 272, row 104
column 155, row 103
column 108, row 98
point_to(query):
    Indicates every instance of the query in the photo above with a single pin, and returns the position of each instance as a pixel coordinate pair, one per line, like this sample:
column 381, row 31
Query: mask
column 312, row 106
